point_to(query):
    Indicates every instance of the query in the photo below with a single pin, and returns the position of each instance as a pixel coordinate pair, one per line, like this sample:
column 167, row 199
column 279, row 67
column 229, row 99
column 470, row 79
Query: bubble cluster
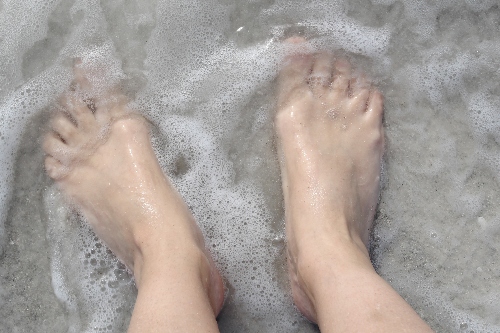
column 86, row 277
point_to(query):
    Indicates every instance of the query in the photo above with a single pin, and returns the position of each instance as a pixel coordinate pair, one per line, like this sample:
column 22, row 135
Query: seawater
column 203, row 72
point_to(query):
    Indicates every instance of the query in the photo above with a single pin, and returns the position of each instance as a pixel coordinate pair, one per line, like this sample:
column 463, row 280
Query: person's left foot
column 330, row 140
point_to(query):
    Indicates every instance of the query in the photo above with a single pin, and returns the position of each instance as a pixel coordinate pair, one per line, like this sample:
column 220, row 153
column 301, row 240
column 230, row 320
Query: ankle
column 187, row 265
column 331, row 235
column 155, row 252
column 323, row 265
column 174, row 260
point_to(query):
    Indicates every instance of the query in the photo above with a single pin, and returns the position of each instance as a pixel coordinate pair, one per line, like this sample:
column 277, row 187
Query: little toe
column 341, row 76
column 55, row 169
column 321, row 75
column 64, row 127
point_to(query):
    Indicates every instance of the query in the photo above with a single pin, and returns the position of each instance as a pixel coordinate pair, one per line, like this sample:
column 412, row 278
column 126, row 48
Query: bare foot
column 330, row 139
column 103, row 161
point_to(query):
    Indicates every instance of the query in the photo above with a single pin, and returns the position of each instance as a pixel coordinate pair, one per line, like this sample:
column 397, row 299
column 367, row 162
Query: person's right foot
column 101, row 157
column 330, row 144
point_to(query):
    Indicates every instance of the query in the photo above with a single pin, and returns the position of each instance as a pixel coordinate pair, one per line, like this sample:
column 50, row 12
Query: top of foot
column 330, row 141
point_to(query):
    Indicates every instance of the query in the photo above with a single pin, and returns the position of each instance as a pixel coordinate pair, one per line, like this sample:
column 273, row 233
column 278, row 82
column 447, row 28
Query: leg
column 103, row 161
column 330, row 138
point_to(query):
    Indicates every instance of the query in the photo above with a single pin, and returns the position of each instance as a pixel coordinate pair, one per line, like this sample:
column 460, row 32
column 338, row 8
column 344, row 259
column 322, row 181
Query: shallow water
column 203, row 72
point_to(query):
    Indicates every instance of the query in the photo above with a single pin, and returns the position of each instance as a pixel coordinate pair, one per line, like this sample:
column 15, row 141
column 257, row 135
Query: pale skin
column 330, row 141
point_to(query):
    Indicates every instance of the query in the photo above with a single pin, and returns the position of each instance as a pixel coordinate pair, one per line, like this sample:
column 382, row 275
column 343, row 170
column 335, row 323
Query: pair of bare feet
column 330, row 138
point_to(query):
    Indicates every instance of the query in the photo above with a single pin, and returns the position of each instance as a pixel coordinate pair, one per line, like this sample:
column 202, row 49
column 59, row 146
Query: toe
column 293, row 76
column 323, row 65
column 360, row 94
column 341, row 76
column 78, row 109
column 376, row 104
column 64, row 127
column 112, row 105
column 295, row 40
column 80, row 80
column 374, row 117
column 359, row 82
column 321, row 75
column 55, row 147
column 55, row 169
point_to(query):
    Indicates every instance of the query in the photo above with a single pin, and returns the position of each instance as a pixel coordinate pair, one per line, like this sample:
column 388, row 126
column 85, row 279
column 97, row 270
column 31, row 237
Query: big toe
column 321, row 76
column 294, row 74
